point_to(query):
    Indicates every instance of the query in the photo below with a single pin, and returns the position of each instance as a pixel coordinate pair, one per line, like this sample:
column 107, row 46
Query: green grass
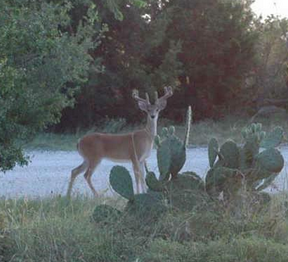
column 57, row 229
column 228, row 128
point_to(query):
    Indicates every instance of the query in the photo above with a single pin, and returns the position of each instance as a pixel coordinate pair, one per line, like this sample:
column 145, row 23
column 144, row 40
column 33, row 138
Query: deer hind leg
column 88, row 175
column 74, row 173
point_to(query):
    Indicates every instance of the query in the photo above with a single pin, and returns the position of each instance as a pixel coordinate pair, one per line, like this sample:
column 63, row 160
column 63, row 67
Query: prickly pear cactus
column 230, row 153
column 183, row 192
column 212, row 151
column 223, row 179
column 186, row 191
column 121, row 182
column 146, row 205
column 224, row 173
column 153, row 183
column 171, row 151
column 238, row 164
column 273, row 139
column 252, row 136
column 268, row 164
column 270, row 160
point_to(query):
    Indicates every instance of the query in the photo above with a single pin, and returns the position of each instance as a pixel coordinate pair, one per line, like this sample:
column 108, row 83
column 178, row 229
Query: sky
column 266, row 7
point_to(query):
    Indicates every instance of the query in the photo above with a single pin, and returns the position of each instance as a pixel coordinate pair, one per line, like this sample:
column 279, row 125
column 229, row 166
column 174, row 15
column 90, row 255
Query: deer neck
column 151, row 127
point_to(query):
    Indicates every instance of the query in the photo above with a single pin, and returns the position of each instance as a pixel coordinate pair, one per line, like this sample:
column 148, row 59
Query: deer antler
column 167, row 93
column 135, row 95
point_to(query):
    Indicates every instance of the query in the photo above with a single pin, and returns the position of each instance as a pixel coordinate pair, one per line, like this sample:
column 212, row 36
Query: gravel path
column 49, row 173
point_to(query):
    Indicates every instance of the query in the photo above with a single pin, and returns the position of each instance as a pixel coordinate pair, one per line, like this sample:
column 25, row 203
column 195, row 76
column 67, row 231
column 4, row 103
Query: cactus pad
column 273, row 139
column 270, row 160
column 153, row 183
column 121, row 182
column 186, row 191
column 212, row 151
column 267, row 182
column 171, row 155
column 178, row 155
column 146, row 205
column 223, row 179
column 230, row 152
column 164, row 158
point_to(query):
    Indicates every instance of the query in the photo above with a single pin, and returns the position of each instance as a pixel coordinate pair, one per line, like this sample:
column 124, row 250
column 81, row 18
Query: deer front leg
column 142, row 177
column 137, row 173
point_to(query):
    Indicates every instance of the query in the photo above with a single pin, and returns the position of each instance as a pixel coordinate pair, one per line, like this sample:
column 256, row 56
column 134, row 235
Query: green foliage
column 42, row 64
column 210, row 68
column 125, row 56
column 215, row 61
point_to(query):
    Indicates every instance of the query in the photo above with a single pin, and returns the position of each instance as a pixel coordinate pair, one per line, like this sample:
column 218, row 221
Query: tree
column 218, row 48
column 42, row 63
column 125, row 53
column 271, row 74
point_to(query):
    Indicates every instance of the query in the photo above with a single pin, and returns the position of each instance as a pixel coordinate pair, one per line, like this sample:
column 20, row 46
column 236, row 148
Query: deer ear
column 143, row 106
column 162, row 104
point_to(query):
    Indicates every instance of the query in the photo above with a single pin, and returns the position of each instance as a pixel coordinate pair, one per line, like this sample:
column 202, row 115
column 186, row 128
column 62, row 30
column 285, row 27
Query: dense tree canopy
column 271, row 80
column 218, row 47
column 205, row 49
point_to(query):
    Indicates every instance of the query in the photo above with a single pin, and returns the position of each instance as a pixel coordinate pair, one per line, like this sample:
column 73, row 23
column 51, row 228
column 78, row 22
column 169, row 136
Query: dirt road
column 49, row 173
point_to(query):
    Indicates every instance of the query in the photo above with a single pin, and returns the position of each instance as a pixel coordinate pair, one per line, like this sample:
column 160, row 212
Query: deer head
column 160, row 103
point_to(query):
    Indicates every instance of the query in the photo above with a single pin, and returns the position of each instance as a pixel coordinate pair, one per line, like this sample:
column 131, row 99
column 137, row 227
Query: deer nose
column 152, row 116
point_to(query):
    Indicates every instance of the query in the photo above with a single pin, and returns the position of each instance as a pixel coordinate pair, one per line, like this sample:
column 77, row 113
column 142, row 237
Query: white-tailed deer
column 133, row 147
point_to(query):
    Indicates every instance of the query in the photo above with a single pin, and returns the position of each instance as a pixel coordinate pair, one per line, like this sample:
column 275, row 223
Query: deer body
column 134, row 147
column 117, row 148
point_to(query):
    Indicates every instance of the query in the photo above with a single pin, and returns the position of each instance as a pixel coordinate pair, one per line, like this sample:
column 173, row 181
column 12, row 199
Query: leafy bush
column 41, row 66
